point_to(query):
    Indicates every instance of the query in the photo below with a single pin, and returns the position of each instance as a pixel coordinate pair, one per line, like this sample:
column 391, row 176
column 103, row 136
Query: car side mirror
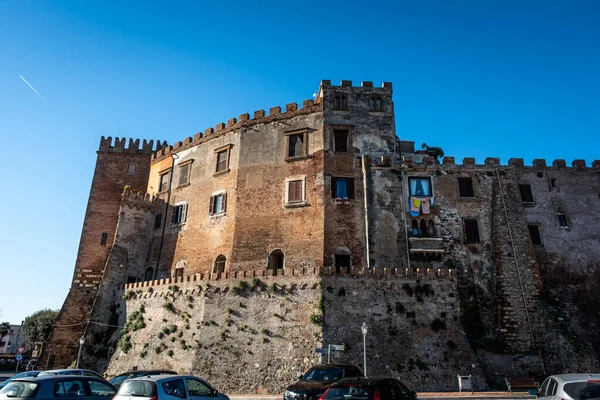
column 215, row 392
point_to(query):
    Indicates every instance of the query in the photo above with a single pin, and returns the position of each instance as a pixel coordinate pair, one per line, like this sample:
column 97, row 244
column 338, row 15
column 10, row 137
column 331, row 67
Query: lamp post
column 81, row 342
column 364, row 330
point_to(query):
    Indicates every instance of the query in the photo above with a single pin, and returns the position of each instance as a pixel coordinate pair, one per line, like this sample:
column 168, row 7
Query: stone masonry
column 234, row 253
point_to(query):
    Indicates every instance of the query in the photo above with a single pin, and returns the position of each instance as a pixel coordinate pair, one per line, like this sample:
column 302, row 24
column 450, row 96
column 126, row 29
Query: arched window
column 336, row 102
column 220, row 262
column 430, row 229
column 414, row 228
column 148, row 275
column 276, row 259
column 424, row 232
column 562, row 218
column 342, row 258
column 343, row 104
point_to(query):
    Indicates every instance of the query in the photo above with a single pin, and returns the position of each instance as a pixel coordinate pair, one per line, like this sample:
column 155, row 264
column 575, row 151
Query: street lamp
column 364, row 330
column 81, row 342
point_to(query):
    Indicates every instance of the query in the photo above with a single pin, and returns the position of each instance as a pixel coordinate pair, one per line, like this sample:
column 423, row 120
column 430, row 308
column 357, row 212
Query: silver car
column 570, row 387
column 168, row 387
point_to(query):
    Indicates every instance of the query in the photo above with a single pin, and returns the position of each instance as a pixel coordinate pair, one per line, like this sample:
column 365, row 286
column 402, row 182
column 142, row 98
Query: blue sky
column 477, row 78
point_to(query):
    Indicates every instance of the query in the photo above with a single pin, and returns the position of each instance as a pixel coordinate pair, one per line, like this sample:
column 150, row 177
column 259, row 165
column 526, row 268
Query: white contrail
column 32, row 88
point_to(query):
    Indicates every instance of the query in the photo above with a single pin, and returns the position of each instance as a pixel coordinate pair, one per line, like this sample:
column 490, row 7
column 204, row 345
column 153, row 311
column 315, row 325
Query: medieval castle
column 235, row 253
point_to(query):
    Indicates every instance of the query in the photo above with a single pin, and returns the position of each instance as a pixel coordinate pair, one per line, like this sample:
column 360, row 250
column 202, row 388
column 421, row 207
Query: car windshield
column 21, row 375
column 323, row 374
column 19, row 389
column 356, row 392
column 135, row 388
column 583, row 390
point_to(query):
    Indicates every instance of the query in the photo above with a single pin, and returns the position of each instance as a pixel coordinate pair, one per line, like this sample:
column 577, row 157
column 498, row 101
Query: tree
column 37, row 327
column 4, row 329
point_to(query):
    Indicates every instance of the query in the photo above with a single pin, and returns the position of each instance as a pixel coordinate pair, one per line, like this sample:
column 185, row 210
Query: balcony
column 426, row 246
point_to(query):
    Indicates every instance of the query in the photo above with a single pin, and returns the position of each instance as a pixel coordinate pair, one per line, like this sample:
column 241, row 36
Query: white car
column 570, row 387
column 168, row 387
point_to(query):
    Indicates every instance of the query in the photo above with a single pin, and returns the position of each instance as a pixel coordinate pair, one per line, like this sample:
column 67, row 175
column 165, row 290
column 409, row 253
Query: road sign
column 19, row 357
column 20, row 350
column 338, row 347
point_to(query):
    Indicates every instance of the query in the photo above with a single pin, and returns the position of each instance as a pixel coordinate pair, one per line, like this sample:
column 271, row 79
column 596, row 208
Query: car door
column 174, row 389
column 69, row 389
column 199, row 390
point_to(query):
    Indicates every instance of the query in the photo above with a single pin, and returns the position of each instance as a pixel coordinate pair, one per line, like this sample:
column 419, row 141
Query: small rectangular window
column 295, row 191
column 296, row 145
column 179, row 213
column 164, row 182
column 221, row 161
column 218, row 204
column 184, row 174
column 104, row 239
column 554, row 183
column 420, row 187
column 131, row 169
column 157, row 221
column 471, row 230
column 342, row 188
column 562, row 220
column 534, row 234
column 526, row 195
column 340, row 137
column 465, row 187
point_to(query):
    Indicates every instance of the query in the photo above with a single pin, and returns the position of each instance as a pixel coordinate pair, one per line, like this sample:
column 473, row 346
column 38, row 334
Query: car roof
column 575, row 377
column 149, row 372
column 321, row 366
column 362, row 380
column 159, row 377
column 69, row 370
column 53, row 377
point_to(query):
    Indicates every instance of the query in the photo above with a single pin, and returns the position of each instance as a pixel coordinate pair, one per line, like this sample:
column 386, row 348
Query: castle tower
column 117, row 166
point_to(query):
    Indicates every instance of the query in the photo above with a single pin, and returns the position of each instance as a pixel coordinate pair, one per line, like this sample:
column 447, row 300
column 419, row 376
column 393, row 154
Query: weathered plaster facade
column 315, row 202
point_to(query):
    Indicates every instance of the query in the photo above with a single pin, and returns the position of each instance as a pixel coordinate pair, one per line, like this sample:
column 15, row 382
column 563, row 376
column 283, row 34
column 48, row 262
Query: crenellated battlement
column 241, row 122
column 364, row 84
column 237, row 276
column 425, row 161
column 119, row 145
column 138, row 199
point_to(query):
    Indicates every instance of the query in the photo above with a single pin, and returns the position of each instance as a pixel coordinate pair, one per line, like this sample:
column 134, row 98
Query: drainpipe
column 512, row 243
column 403, row 202
column 162, row 235
column 366, row 205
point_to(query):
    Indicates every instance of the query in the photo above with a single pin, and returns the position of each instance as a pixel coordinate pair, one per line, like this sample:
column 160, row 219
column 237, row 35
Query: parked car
column 118, row 380
column 84, row 372
column 64, row 387
column 27, row 374
column 369, row 389
column 570, row 387
column 317, row 380
column 165, row 387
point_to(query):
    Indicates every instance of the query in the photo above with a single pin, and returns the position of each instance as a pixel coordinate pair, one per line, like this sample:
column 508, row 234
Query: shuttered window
column 184, row 174
column 295, row 191
column 218, row 204
column 179, row 213
column 471, row 231
column 164, row 182
column 526, row 195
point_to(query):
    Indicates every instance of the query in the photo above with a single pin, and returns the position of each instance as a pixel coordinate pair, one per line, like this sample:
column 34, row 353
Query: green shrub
column 170, row 353
column 158, row 349
column 130, row 294
column 143, row 354
column 125, row 343
column 316, row 319
column 169, row 306
column 150, row 290
column 173, row 339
